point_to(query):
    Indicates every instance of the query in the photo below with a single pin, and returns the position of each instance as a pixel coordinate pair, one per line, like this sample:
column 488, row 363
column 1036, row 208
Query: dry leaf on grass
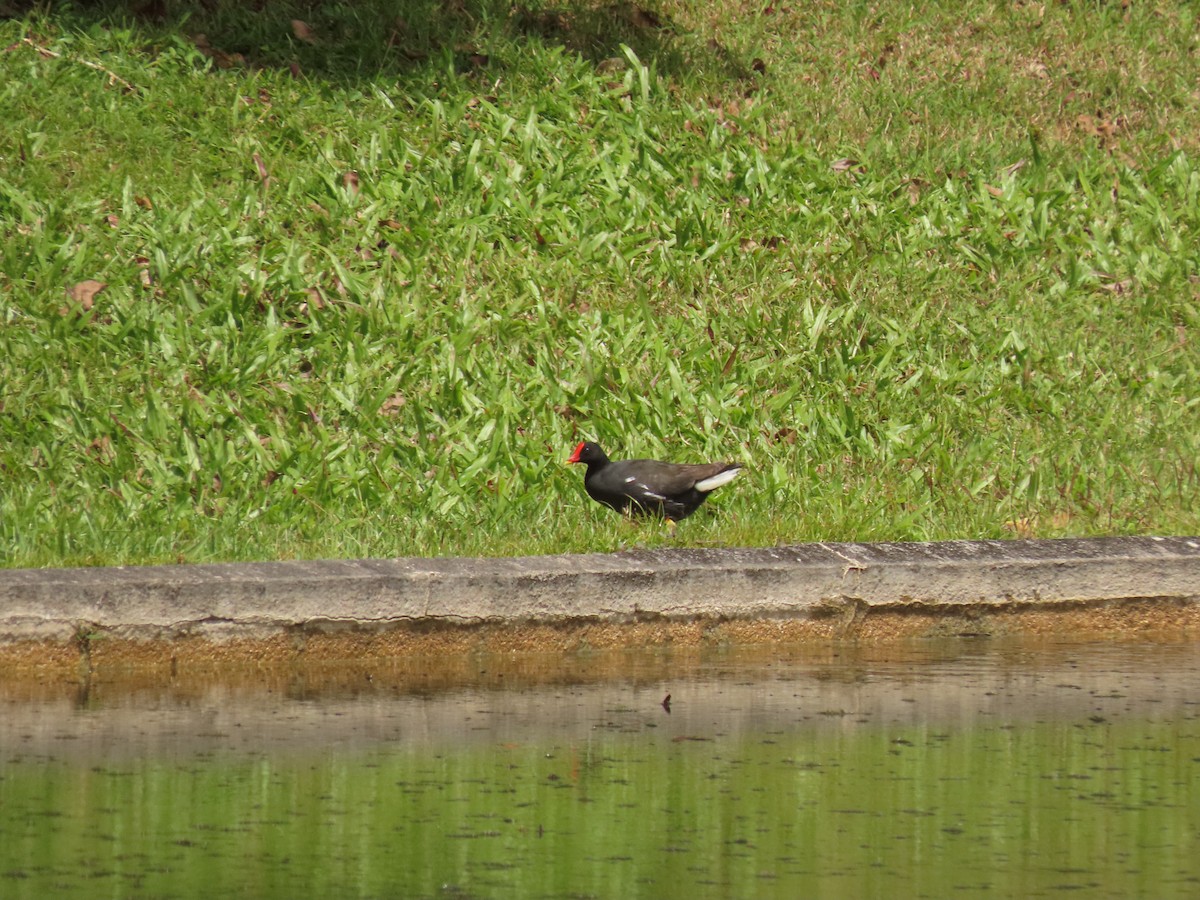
column 263, row 175
column 303, row 32
column 392, row 405
column 316, row 299
column 84, row 293
column 1124, row 286
column 1015, row 167
column 144, row 275
column 101, row 450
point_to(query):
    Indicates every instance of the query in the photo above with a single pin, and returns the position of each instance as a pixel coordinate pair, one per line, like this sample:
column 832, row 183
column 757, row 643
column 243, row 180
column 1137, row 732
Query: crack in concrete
column 852, row 565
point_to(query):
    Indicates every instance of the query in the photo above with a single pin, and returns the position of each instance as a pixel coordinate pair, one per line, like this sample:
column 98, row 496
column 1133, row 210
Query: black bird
column 647, row 486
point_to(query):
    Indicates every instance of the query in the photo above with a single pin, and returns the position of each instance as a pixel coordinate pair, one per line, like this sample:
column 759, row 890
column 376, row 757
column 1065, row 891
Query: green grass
column 930, row 273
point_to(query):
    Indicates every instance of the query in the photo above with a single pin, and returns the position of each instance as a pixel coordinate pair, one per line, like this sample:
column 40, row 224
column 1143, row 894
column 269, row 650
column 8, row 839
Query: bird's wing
column 641, row 492
column 671, row 479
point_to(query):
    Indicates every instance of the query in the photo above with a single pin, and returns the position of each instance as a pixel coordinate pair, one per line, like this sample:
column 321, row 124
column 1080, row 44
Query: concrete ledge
column 808, row 582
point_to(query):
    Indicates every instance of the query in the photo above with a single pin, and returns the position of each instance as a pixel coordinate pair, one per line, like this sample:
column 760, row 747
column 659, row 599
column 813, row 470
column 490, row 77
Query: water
column 959, row 769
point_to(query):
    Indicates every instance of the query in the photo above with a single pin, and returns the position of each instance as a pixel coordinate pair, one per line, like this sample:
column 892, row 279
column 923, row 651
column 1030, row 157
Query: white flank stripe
column 649, row 493
column 715, row 481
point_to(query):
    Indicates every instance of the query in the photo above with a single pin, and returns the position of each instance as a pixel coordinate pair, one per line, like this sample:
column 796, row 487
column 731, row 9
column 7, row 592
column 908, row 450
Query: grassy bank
column 370, row 270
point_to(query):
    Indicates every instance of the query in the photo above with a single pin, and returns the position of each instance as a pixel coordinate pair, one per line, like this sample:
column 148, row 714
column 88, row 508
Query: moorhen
column 647, row 486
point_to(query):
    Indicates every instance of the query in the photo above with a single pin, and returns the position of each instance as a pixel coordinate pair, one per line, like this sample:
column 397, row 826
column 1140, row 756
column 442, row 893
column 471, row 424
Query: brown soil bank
column 57, row 623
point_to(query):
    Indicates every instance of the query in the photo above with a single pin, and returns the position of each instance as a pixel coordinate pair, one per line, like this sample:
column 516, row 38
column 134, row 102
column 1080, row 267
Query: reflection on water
column 963, row 768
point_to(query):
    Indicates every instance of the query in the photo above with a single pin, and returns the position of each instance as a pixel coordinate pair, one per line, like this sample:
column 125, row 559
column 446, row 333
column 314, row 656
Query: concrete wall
column 848, row 583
